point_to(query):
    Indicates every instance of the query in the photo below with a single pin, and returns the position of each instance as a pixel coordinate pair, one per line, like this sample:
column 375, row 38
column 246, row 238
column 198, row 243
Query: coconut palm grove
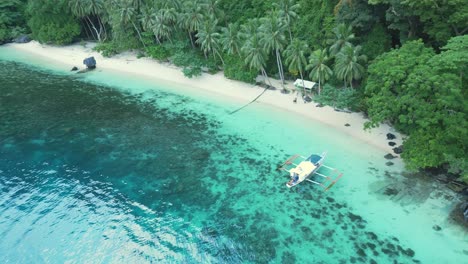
column 402, row 62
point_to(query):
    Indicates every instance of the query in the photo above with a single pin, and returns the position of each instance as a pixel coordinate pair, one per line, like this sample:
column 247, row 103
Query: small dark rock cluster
column 398, row 150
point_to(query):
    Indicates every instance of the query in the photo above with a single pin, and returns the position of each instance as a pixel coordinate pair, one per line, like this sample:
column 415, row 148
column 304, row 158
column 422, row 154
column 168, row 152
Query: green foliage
column 235, row 69
column 358, row 14
column 339, row 98
column 316, row 22
column 376, row 42
column 319, row 70
column 4, row 33
column 442, row 19
column 12, row 23
column 191, row 60
column 52, row 22
column 192, row 71
column 107, row 49
column 423, row 95
column 56, row 33
column 349, row 65
column 385, row 83
column 158, row 52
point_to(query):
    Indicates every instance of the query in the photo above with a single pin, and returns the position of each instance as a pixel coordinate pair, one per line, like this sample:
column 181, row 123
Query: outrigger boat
column 300, row 171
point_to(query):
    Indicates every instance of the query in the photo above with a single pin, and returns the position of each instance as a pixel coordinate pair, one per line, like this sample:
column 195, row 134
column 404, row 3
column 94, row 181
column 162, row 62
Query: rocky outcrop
column 90, row 63
column 398, row 150
column 22, row 39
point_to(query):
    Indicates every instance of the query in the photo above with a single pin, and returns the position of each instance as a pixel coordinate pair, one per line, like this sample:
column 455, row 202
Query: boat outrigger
column 306, row 167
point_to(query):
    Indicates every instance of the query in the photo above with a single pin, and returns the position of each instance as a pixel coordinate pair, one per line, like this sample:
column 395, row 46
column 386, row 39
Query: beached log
column 90, row 62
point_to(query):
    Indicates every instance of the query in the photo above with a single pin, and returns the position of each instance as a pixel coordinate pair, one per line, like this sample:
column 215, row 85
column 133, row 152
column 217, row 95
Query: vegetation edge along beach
column 401, row 63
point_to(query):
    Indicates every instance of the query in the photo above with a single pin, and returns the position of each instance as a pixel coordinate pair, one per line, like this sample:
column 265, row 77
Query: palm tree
column 255, row 58
column 212, row 9
column 347, row 64
column 128, row 15
column 319, row 71
column 230, row 39
column 273, row 38
column 296, row 57
column 208, row 38
column 85, row 9
column 255, row 55
column 160, row 26
column 192, row 17
column 288, row 11
column 250, row 28
column 342, row 38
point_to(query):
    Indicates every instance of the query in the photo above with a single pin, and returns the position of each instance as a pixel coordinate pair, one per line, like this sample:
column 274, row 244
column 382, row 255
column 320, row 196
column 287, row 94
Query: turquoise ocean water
column 106, row 168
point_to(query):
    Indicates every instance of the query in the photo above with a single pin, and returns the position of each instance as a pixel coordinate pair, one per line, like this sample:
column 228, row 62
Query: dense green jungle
column 402, row 62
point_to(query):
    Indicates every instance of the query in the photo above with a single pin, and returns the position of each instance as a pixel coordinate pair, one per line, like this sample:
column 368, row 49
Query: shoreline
column 165, row 73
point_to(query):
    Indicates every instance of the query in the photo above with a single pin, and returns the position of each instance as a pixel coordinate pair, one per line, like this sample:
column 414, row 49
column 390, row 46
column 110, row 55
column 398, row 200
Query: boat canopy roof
column 304, row 84
column 314, row 158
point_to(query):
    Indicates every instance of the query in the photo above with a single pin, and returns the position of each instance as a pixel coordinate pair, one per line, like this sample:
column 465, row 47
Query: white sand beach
column 216, row 84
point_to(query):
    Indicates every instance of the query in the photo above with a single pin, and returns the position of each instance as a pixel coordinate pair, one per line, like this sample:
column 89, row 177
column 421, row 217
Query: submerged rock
column 74, row 68
column 436, row 228
column 389, row 163
column 389, row 156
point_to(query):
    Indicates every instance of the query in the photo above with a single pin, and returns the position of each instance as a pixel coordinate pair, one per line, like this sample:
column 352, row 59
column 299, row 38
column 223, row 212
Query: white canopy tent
column 304, row 84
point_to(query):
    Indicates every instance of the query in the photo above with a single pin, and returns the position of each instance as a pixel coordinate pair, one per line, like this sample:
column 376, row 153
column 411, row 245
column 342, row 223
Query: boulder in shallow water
column 391, row 143
column 74, row 68
column 22, row 39
column 389, row 156
column 390, row 136
column 90, row 62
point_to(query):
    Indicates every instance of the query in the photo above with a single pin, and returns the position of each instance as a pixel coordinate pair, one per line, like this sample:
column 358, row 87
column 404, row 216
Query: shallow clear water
column 103, row 168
